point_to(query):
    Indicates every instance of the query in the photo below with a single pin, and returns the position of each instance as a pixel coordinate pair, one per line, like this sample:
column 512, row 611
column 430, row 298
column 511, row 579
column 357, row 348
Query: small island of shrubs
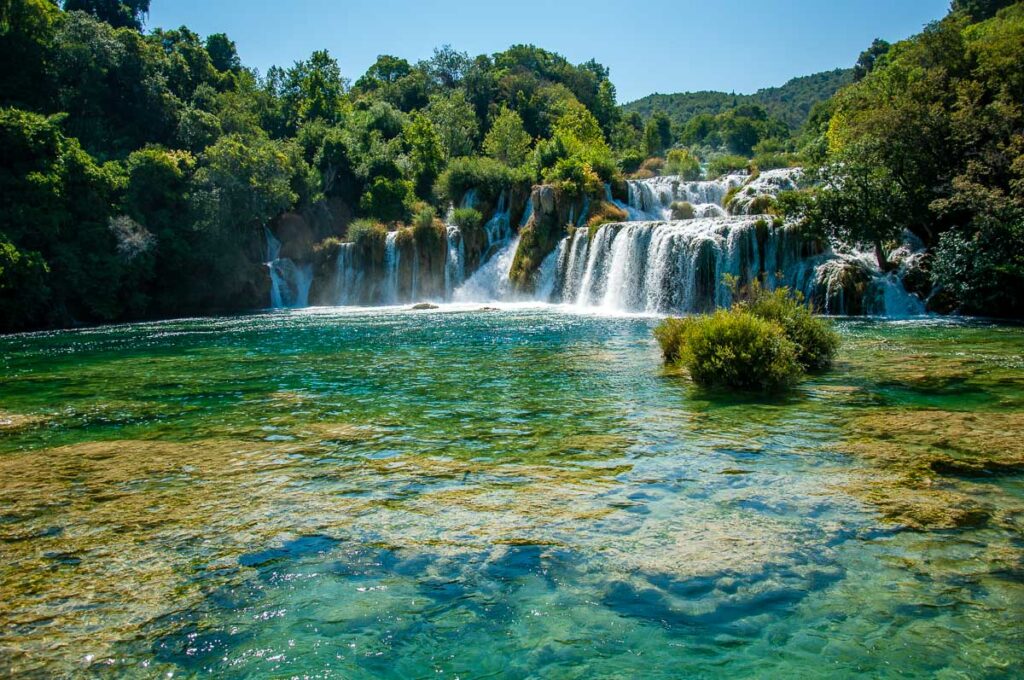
column 766, row 342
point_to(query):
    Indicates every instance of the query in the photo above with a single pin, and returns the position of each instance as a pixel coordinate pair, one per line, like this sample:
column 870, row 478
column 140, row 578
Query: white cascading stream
column 289, row 282
column 491, row 282
column 392, row 256
column 653, row 264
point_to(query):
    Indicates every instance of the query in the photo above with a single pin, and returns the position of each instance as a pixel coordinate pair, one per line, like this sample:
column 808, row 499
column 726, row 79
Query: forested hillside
column 791, row 103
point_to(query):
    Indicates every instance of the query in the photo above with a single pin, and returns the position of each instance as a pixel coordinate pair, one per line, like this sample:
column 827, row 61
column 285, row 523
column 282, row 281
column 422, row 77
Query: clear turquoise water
column 509, row 494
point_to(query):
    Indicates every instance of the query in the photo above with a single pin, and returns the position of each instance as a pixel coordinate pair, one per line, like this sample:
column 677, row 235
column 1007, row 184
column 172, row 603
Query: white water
column 655, row 265
column 651, row 199
column 392, row 257
column 491, row 281
column 289, row 282
column 649, row 264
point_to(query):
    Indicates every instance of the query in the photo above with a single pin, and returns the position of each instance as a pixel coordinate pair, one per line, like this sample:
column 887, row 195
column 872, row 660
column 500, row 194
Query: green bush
column 761, row 205
column 574, row 177
column 467, row 218
column 772, row 160
column 731, row 349
column 682, row 210
column 367, row 234
column 387, row 199
column 816, row 343
column 488, row 176
column 766, row 342
column 630, row 160
column 723, row 165
column 424, row 218
column 683, row 163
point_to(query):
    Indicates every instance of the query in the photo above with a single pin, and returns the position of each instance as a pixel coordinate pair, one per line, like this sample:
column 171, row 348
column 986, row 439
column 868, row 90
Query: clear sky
column 653, row 46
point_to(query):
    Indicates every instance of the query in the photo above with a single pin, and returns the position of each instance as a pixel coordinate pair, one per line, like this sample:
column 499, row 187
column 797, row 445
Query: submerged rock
column 14, row 422
column 917, row 457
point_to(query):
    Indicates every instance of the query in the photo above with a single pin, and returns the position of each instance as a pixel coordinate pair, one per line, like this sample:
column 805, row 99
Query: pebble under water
column 523, row 492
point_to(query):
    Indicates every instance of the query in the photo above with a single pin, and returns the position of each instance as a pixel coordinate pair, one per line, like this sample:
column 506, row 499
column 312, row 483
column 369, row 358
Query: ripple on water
column 505, row 494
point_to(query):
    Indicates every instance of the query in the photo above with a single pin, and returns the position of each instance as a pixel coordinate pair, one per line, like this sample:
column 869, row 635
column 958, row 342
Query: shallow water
column 505, row 494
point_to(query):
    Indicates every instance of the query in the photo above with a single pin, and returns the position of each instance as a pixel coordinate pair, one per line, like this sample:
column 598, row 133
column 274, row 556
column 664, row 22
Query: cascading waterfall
column 657, row 266
column 491, row 281
column 651, row 199
column 646, row 264
column 392, row 257
column 349, row 276
column 289, row 282
column 455, row 264
column 651, row 264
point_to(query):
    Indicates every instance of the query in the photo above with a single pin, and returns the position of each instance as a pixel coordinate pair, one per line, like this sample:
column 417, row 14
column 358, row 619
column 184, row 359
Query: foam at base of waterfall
column 491, row 281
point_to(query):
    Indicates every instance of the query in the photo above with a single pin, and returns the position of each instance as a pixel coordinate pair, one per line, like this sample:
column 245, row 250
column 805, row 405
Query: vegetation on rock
column 765, row 343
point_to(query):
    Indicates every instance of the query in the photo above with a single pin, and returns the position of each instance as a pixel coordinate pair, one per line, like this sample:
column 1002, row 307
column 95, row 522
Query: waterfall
column 289, row 282
column 491, row 281
column 349, row 276
column 669, row 266
column 498, row 228
column 455, row 260
column 391, row 260
column 651, row 199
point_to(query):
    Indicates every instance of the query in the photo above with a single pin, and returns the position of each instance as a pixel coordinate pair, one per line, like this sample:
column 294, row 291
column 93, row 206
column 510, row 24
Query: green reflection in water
column 504, row 494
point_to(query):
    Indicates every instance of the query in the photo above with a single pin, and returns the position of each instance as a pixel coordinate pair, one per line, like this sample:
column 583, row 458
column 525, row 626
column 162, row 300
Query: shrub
column 367, row 234
column 487, row 175
column 766, row 342
column 387, row 199
column 732, row 349
column 630, row 160
column 467, row 218
column 603, row 213
column 653, row 165
column 815, row 340
column 682, row 210
column 723, row 165
column 771, row 161
column 683, row 163
column 424, row 218
column 574, row 177
column 761, row 205
column 427, row 230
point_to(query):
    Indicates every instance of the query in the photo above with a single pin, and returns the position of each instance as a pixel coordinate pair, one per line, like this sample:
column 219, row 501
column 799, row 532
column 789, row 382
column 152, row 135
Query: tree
column 312, row 90
column 223, row 54
column 861, row 202
column 507, row 140
column 979, row 10
column 447, row 67
column 426, row 153
column 455, row 121
column 683, row 163
column 866, row 61
column 387, row 69
column 657, row 134
column 117, row 13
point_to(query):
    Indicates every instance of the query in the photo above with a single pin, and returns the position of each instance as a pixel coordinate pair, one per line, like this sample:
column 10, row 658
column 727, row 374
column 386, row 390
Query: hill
column 791, row 102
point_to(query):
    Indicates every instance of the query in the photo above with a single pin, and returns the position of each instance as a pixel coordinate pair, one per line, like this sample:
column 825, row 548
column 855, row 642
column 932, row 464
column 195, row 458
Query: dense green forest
column 141, row 168
column 791, row 103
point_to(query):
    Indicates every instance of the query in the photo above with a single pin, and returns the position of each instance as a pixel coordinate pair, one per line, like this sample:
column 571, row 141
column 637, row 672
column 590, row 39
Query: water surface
column 515, row 493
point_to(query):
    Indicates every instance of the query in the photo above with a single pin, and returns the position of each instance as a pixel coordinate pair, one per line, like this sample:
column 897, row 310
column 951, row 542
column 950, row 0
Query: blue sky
column 653, row 46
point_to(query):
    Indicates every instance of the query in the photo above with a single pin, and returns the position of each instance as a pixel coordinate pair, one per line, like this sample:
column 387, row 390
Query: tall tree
column 117, row 13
